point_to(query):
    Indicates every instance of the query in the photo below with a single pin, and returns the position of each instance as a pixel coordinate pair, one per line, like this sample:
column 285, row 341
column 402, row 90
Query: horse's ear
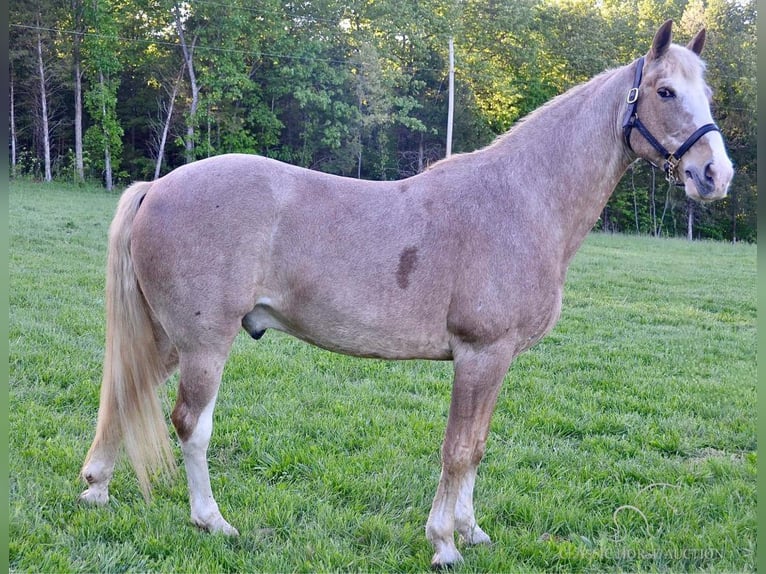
column 698, row 42
column 662, row 40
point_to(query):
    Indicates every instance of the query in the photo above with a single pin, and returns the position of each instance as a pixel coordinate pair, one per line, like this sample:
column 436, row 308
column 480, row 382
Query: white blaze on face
column 698, row 104
column 695, row 99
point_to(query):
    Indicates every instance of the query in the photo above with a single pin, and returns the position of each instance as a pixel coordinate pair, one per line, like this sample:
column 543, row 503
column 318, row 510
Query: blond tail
column 133, row 366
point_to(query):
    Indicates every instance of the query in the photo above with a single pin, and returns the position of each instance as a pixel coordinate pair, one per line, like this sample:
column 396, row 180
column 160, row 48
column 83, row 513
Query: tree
column 731, row 57
column 103, row 65
column 352, row 87
column 43, row 100
column 187, row 48
column 167, row 109
column 78, row 28
column 12, row 122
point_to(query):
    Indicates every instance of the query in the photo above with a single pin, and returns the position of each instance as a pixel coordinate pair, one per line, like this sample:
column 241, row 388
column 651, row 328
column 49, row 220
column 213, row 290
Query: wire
column 465, row 73
column 197, row 47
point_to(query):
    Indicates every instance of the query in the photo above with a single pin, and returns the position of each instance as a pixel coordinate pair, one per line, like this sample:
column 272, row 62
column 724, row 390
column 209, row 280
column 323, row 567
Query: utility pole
column 451, row 106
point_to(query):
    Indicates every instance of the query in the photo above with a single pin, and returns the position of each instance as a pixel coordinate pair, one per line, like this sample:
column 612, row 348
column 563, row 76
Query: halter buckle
column 633, row 96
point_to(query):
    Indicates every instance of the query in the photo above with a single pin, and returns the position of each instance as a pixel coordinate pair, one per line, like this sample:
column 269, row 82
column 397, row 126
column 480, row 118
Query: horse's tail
column 133, row 365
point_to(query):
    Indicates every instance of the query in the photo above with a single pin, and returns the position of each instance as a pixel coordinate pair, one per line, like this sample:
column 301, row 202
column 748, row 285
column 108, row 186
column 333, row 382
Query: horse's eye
column 666, row 93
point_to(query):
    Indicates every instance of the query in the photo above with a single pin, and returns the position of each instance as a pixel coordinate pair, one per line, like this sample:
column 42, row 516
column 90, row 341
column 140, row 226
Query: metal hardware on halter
column 670, row 166
column 631, row 121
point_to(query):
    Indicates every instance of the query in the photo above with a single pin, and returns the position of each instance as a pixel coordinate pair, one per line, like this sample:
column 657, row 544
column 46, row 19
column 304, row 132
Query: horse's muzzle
column 710, row 182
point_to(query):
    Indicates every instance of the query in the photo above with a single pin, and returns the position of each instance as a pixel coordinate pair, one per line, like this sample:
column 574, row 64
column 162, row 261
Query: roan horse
column 464, row 262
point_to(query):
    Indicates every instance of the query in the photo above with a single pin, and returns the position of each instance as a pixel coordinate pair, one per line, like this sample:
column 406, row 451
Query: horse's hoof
column 95, row 496
column 475, row 537
column 217, row 526
column 446, row 559
column 228, row 530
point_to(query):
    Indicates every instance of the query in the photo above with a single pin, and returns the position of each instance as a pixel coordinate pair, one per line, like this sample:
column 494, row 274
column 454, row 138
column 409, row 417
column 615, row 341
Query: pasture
column 623, row 441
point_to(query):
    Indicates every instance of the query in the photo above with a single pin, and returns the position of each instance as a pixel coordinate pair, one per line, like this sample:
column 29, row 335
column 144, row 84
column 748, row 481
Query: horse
column 465, row 261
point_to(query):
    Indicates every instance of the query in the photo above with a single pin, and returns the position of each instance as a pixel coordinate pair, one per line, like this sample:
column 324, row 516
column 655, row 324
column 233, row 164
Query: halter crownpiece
column 632, row 121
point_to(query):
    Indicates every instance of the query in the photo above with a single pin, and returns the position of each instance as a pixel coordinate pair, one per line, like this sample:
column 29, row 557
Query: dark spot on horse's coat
column 198, row 313
column 408, row 258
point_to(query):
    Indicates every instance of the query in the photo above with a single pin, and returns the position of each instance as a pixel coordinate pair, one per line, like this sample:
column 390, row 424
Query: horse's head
column 674, row 129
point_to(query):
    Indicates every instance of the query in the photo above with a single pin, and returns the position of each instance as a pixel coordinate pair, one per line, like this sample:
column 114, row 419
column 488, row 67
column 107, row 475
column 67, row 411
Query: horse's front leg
column 465, row 520
column 479, row 374
column 200, row 376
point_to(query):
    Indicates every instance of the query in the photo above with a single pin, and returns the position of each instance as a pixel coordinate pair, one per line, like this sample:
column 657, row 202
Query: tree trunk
column 79, row 164
column 635, row 199
column 665, row 209
column 359, row 155
column 166, row 127
column 188, row 52
column 107, row 154
column 652, row 206
column 689, row 219
column 76, row 42
column 13, row 129
column 451, row 96
column 420, row 153
column 359, row 164
column 43, row 105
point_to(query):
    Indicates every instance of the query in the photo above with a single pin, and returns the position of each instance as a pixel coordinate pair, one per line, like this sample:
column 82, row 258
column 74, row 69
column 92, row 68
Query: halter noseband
column 632, row 121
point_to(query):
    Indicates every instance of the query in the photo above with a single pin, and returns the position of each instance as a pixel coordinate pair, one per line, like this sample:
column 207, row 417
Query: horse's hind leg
column 200, row 377
column 478, row 376
column 99, row 466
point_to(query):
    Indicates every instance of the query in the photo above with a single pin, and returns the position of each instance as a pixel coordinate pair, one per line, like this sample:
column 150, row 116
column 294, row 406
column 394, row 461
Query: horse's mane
column 681, row 57
column 553, row 103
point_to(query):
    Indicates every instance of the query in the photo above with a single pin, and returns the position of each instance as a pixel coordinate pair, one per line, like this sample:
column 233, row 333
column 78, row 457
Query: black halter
column 631, row 121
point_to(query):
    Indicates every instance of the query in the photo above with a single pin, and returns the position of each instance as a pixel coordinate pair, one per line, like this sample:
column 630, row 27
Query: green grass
column 624, row 441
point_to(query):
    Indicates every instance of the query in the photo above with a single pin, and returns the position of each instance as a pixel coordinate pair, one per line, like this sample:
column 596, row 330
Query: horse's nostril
column 710, row 172
column 704, row 180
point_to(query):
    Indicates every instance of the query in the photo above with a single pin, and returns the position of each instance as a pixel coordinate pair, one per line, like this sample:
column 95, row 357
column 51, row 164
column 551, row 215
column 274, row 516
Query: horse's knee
column 457, row 459
column 478, row 453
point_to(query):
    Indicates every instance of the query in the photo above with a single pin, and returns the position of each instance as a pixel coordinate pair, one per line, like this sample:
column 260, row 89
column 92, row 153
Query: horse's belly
column 351, row 331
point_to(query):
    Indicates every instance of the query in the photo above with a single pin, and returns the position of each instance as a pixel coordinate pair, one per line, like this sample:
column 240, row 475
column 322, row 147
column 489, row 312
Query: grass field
column 624, row 441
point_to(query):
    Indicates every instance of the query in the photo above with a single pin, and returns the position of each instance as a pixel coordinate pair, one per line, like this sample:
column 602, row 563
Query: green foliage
column 359, row 88
column 102, row 67
column 622, row 442
column 101, row 101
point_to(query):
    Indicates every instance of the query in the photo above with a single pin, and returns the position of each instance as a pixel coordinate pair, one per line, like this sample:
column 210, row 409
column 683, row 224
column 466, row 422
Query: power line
column 466, row 73
column 176, row 45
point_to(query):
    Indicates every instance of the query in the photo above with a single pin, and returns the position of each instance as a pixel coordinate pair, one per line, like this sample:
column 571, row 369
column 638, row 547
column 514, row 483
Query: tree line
column 119, row 90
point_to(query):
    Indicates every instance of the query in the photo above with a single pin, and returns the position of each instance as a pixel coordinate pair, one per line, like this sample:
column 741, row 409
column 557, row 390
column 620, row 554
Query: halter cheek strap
column 631, row 121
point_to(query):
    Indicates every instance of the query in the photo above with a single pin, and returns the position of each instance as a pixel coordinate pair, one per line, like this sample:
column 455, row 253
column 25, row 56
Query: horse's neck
column 573, row 149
